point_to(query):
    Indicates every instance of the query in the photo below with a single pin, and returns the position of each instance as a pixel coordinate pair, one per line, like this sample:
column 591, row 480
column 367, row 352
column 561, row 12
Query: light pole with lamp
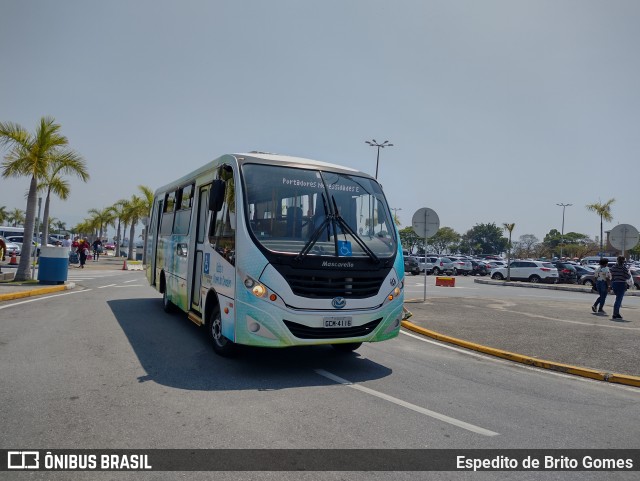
column 374, row 143
column 562, row 233
column 395, row 212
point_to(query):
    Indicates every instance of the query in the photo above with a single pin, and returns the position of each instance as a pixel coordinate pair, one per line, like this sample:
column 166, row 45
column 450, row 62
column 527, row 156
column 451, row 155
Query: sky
column 497, row 110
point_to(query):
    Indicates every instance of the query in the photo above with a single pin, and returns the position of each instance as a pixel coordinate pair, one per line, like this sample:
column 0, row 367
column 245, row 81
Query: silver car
column 443, row 265
column 12, row 247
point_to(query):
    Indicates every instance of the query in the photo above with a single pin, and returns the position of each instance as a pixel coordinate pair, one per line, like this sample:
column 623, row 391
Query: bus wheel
column 221, row 345
column 167, row 305
column 348, row 347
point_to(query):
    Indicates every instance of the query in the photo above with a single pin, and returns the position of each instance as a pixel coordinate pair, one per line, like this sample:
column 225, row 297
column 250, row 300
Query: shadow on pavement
column 175, row 352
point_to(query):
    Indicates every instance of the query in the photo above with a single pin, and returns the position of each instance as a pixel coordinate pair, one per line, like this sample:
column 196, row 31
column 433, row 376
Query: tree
column 67, row 162
column 3, row 214
column 509, row 227
column 604, row 211
column 147, row 201
column 136, row 209
column 119, row 210
column 483, row 239
column 443, row 239
column 410, row 240
column 525, row 245
column 16, row 217
column 101, row 219
column 30, row 156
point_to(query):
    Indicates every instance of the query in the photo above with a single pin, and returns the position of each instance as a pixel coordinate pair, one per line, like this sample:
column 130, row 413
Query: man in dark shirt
column 619, row 276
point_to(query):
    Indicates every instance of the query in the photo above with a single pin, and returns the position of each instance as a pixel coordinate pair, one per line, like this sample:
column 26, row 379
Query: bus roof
column 260, row 158
column 291, row 161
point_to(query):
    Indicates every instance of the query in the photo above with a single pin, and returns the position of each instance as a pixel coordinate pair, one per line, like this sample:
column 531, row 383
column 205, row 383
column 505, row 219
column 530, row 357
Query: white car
column 532, row 271
column 12, row 248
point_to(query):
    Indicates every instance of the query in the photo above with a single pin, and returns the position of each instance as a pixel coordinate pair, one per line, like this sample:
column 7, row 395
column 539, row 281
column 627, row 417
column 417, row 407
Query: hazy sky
column 497, row 110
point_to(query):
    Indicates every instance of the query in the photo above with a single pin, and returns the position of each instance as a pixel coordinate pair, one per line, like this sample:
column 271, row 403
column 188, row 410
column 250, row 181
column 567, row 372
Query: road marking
column 413, row 407
column 109, row 285
column 43, row 298
column 132, row 280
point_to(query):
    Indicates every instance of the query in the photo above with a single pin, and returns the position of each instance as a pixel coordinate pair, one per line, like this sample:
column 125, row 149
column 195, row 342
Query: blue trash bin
column 53, row 265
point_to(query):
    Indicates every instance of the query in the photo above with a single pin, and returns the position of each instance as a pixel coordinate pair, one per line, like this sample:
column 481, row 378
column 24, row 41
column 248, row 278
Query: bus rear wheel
column 346, row 348
column 221, row 345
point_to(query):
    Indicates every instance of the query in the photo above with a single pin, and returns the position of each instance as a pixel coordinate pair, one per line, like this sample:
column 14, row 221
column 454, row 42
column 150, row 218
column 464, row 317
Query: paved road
column 105, row 367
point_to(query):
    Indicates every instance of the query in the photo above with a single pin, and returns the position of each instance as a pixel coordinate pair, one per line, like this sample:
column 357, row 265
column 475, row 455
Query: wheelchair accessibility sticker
column 344, row 248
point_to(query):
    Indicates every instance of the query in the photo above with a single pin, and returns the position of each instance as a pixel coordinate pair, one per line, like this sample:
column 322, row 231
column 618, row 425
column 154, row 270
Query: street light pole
column 395, row 212
column 562, row 233
column 374, row 143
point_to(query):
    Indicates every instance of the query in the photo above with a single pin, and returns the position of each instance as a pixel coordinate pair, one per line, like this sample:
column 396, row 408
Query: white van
column 595, row 260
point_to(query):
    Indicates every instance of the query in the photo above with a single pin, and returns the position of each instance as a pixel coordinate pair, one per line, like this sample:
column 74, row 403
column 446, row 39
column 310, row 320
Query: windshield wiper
column 346, row 227
column 317, row 232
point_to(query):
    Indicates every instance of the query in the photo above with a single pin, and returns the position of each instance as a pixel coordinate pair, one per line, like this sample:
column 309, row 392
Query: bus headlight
column 259, row 290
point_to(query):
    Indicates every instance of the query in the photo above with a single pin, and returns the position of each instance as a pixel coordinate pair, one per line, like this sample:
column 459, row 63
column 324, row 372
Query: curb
column 36, row 292
column 532, row 361
column 553, row 287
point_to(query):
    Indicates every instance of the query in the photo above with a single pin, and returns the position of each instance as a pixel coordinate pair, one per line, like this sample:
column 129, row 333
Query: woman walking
column 619, row 276
column 603, row 284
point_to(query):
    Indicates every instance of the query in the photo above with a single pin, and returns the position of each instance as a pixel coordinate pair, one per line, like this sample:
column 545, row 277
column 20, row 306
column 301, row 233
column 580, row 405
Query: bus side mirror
column 216, row 195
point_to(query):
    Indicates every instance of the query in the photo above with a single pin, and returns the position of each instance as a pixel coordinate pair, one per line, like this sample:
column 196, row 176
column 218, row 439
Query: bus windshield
column 317, row 213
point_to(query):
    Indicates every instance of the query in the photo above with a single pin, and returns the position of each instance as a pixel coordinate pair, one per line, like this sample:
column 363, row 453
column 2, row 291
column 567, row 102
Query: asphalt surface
column 562, row 331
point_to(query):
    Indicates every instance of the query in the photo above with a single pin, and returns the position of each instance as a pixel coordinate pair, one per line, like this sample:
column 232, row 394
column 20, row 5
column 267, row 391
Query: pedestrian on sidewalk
column 83, row 251
column 603, row 284
column 97, row 248
column 619, row 276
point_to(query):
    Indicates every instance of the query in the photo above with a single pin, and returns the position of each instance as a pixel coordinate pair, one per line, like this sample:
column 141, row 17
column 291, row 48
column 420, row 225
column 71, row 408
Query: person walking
column 83, row 251
column 619, row 276
column 97, row 248
column 603, row 284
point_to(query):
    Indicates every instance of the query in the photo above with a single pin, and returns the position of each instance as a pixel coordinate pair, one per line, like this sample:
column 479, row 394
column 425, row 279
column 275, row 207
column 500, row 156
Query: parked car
column 566, row 272
column 494, row 263
column 411, row 265
column 584, row 270
column 110, row 246
column 427, row 263
column 590, row 279
column 443, row 265
column 461, row 265
column 480, row 268
column 12, row 247
column 532, row 271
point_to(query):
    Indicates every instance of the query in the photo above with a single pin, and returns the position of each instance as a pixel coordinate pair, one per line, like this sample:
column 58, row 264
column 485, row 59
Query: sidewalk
column 17, row 290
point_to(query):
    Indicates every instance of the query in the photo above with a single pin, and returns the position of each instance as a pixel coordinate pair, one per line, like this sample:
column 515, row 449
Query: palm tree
column 59, row 225
column 136, row 209
column 30, row 156
column 147, row 199
column 3, row 214
column 15, row 217
column 119, row 210
column 102, row 219
column 65, row 163
column 604, row 211
column 509, row 227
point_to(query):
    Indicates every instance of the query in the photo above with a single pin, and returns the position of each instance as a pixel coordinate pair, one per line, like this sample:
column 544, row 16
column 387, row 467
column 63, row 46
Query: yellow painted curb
column 32, row 292
column 532, row 361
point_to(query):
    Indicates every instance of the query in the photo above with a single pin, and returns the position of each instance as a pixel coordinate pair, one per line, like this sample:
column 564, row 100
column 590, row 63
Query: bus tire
column 347, row 347
column 221, row 345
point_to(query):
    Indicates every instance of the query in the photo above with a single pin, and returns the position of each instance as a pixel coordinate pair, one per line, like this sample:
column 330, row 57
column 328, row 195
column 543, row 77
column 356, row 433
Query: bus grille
column 327, row 287
column 305, row 332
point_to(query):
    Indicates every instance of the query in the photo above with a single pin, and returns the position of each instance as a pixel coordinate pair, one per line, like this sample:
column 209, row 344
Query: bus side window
column 224, row 229
column 166, row 225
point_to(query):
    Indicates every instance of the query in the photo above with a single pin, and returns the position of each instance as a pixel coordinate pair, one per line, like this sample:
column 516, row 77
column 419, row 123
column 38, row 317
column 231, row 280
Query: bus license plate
column 337, row 321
